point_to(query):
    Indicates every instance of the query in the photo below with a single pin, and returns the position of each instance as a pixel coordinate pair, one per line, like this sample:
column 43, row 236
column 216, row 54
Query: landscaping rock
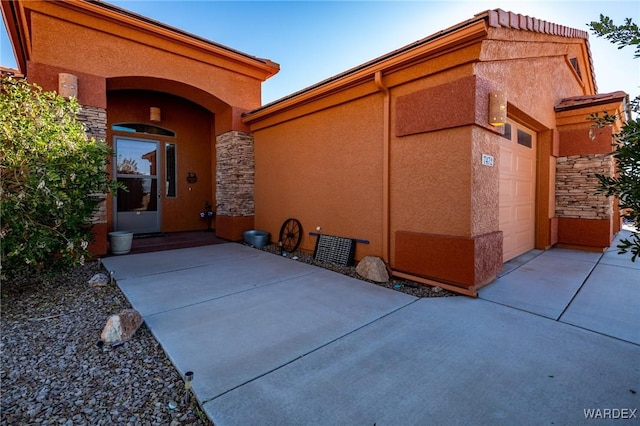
column 99, row 280
column 47, row 372
column 373, row 268
column 121, row 327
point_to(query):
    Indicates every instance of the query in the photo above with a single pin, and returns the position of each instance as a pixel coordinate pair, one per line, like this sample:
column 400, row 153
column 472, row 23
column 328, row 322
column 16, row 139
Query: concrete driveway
column 274, row 341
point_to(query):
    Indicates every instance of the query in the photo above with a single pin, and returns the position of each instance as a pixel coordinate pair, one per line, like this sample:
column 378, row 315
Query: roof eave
column 578, row 102
column 453, row 36
column 266, row 66
column 15, row 21
column 462, row 33
column 13, row 16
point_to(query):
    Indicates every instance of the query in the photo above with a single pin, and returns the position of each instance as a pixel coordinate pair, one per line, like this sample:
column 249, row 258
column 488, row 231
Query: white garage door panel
column 505, row 188
column 523, row 213
column 524, row 191
column 524, row 166
column 517, row 191
column 507, row 162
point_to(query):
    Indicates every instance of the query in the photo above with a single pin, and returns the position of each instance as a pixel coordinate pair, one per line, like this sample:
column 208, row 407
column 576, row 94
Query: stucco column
column 234, row 184
column 441, row 133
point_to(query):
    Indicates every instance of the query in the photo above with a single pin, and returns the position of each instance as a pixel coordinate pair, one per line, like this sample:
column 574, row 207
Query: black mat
column 336, row 250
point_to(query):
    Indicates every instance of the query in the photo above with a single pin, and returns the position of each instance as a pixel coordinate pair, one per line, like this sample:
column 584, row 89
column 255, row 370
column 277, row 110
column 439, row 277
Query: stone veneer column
column 234, row 184
column 576, row 184
column 584, row 218
column 95, row 121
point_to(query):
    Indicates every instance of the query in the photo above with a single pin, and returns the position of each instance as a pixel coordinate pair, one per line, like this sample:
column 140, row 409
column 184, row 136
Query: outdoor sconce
column 497, row 109
column 155, row 114
column 67, row 85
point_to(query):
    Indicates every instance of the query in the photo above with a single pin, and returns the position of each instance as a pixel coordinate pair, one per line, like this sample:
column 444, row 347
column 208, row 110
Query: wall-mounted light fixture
column 155, row 114
column 67, row 85
column 497, row 108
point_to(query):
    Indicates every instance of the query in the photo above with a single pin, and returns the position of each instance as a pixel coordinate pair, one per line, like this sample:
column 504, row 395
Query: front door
column 137, row 209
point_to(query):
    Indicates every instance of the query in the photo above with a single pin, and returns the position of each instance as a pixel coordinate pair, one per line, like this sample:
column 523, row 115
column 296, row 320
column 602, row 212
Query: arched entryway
column 167, row 162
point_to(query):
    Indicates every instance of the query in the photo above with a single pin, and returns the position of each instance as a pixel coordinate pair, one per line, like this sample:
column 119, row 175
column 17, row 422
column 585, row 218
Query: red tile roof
column 591, row 100
column 499, row 18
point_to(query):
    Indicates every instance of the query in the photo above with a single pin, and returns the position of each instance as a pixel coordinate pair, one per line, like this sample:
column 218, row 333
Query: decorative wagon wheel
column 291, row 235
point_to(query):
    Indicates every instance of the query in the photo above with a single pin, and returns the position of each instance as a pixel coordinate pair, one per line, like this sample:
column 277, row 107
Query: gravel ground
column 53, row 372
column 404, row 286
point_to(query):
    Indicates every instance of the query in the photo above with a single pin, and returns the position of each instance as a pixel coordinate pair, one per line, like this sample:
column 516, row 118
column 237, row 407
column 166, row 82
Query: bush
column 626, row 185
column 50, row 174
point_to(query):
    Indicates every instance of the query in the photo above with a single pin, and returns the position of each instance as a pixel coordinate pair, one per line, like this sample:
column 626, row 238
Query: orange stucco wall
column 579, row 141
column 453, row 260
column 59, row 35
column 585, row 234
column 443, row 158
column 324, row 170
column 109, row 49
column 194, row 152
column 91, row 88
column 443, row 203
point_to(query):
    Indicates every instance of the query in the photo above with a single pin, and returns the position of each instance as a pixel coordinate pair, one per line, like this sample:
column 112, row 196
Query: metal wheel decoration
column 290, row 235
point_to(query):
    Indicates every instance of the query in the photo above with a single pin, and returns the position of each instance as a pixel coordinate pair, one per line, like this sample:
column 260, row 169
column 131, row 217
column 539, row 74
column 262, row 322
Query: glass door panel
column 137, row 207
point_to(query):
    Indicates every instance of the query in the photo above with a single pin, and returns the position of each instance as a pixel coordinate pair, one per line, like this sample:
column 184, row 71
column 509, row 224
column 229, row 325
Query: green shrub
column 626, row 185
column 50, row 171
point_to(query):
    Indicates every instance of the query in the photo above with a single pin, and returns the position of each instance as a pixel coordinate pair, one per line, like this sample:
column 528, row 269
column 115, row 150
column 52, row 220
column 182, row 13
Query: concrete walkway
column 594, row 291
column 274, row 341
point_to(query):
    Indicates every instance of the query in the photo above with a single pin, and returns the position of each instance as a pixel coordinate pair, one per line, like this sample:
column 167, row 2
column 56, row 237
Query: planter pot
column 256, row 238
column 120, row 241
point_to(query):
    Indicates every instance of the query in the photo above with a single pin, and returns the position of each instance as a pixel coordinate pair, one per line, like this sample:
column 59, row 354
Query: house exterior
column 168, row 102
column 400, row 152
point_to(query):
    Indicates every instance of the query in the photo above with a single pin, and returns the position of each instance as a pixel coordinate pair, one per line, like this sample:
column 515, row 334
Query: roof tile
column 514, row 20
column 503, row 18
column 592, row 100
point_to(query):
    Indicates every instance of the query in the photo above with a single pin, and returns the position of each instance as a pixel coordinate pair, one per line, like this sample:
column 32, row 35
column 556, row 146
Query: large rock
column 373, row 268
column 121, row 327
column 99, row 280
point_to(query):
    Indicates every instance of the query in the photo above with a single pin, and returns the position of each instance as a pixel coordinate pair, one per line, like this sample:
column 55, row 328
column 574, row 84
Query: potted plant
column 120, row 241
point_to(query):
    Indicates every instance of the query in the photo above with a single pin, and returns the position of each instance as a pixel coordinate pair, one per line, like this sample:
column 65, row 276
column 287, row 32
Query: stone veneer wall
column 235, row 174
column 576, row 186
column 95, row 121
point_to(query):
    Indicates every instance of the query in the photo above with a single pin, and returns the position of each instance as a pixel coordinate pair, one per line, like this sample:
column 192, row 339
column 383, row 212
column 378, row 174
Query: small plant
column 50, row 173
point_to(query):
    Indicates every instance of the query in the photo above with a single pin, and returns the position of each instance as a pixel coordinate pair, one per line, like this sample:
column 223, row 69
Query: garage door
column 517, row 190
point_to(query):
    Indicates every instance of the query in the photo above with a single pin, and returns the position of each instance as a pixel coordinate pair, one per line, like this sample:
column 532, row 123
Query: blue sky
column 314, row 40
